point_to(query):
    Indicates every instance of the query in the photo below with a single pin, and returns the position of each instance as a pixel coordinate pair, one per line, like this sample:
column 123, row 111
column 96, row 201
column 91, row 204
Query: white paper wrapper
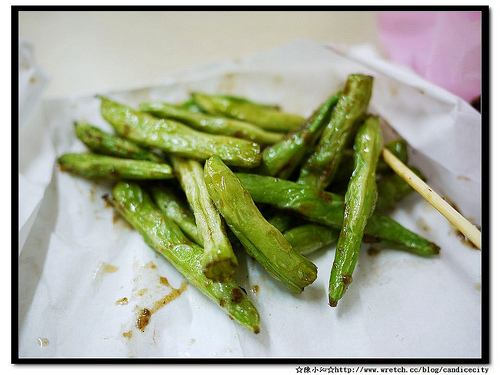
column 77, row 263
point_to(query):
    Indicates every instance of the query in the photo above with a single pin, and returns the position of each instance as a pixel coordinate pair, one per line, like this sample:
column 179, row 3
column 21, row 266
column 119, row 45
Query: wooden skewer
column 461, row 223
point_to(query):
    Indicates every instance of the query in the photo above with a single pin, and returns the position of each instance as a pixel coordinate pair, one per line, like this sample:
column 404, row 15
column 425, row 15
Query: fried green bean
column 165, row 237
column 210, row 123
column 241, row 99
column 105, row 143
column 261, row 240
column 282, row 158
column 360, row 200
column 190, row 105
column 170, row 202
column 96, row 166
column 176, row 138
column 280, row 220
column 268, row 119
column 397, row 146
column 320, row 167
column 326, row 208
column 219, row 260
column 392, row 189
column 310, row 237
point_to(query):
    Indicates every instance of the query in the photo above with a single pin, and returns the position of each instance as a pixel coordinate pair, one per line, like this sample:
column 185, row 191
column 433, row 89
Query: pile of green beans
column 217, row 174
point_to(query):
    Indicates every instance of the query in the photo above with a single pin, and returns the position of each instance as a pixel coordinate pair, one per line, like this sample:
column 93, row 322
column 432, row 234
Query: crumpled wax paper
column 84, row 275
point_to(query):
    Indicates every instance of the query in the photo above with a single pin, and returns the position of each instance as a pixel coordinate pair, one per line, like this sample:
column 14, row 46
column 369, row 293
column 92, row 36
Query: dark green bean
column 392, row 189
column 320, row 167
column 326, row 208
column 282, row 158
column 360, row 200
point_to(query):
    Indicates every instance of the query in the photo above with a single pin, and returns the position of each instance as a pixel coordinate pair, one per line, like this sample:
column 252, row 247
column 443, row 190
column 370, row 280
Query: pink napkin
column 442, row 47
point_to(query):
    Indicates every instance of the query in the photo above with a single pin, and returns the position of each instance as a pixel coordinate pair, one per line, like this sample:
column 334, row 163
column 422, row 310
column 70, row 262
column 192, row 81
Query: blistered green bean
column 320, row 167
column 360, row 200
column 282, row 158
column 219, row 261
column 165, row 237
column 210, row 123
column 392, row 189
column 268, row 119
column 96, row 166
column 260, row 239
column 105, row 143
column 310, row 237
column 326, row 208
column 176, row 138
column 175, row 206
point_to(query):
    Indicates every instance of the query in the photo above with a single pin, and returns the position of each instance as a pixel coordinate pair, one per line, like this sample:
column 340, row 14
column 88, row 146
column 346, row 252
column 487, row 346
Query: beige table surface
column 93, row 51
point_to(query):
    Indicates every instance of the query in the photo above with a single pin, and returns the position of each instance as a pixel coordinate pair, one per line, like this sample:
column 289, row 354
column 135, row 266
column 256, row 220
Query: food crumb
column 42, row 342
column 127, row 335
column 255, row 289
column 145, row 314
column 164, row 281
column 192, row 341
column 122, row 302
column 143, row 319
column 103, row 268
